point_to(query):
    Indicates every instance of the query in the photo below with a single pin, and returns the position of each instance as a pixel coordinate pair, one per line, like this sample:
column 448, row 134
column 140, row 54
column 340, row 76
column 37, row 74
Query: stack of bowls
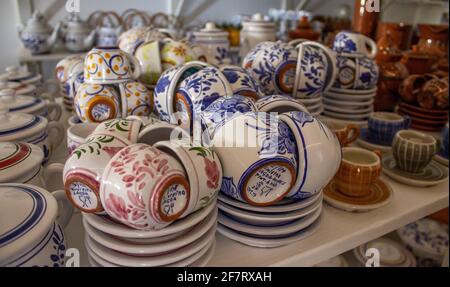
column 147, row 200
column 69, row 73
column 352, row 95
column 391, row 254
column 427, row 239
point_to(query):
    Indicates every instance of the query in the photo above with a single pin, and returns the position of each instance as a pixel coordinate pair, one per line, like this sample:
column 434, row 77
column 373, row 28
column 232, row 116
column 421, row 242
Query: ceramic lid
column 21, row 103
column 18, row 126
column 30, row 212
column 16, row 74
column 37, row 24
column 211, row 30
column 76, row 25
column 258, row 20
column 19, row 162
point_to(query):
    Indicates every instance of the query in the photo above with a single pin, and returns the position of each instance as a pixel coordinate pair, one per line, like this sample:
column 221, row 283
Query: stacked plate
column 391, row 253
column 314, row 105
column 424, row 119
column 348, row 104
column 187, row 242
column 269, row 226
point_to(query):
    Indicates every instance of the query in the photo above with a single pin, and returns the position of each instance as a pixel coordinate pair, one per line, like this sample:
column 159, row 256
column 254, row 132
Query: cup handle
column 373, row 47
column 378, row 153
column 352, row 130
column 65, row 213
column 52, row 170
column 136, row 66
column 55, row 110
column 59, row 129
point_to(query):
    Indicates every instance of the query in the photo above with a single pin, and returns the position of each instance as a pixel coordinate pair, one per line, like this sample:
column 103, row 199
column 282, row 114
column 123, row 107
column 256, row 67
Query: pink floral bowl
column 203, row 169
column 144, row 188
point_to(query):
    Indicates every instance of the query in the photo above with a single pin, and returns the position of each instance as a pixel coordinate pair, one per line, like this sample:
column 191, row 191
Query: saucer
column 433, row 173
column 421, row 110
column 380, row 195
column 205, row 258
column 341, row 103
column 352, row 91
column 360, row 124
column 269, row 231
column 392, row 254
column 151, row 249
column 349, row 97
column 121, row 259
column 285, row 205
column 106, row 225
column 359, row 117
column 441, row 159
column 268, row 242
column 428, row 128
column 263, row 219
column 348, row 111
column 364, row 141
column 424, row 122
column 425, row 116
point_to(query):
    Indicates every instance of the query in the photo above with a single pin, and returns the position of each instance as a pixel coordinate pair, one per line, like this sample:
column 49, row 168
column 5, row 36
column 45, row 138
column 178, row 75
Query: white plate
column 262, row 219
column 360, row 117
column 100, row 261
column 352, row 91
column 353, row 98
column 153, row 249
column 388, row 248
column 199, row 256
column 348, row 111
column 266, row 242
column 270, row 231
column 106, row 225
column 92, row 262
column 342, row 103
column 284, row 205
column 118, row 258
column 206, row 257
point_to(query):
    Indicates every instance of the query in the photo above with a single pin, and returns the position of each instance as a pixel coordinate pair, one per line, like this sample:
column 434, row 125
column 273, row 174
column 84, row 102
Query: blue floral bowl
column 356, row 72
column 241, row 82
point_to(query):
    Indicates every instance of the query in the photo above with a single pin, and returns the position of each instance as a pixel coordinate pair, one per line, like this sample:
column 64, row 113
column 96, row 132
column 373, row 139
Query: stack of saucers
column 314, row 105
column 187, row 242
column 283, row 223
column 348, row 104
column 392, row 254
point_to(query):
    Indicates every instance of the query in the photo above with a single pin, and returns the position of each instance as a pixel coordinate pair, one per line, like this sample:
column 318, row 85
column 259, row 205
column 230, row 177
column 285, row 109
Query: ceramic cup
column 110, row 65
column 148, row 54
column 77, row 134
column 444, row 137
column 136, row 99
column 157, row 130
column 413, row 150
column 97, row 103
column 346, row 133
column 241, row 82
column 351, row 42
column 144, row 188
column 175, row 53
column 203, row 170
column 127, row 129
column 84, row 168
column 279, row 104
column 359, row 170
column 257, row 153
column 356, row 72
column 383, row 126
column 318, row 153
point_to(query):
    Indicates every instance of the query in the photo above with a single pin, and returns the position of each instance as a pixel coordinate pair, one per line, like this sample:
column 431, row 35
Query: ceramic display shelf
column 433, row 173
column 365, row 141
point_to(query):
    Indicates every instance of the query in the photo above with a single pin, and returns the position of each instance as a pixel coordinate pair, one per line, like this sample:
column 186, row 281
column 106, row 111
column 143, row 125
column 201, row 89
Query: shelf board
column 339, row 232
column 26, row 56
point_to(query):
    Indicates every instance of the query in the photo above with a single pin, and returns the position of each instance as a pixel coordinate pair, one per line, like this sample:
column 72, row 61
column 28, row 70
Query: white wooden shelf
column 339, row 232
column 56, row 55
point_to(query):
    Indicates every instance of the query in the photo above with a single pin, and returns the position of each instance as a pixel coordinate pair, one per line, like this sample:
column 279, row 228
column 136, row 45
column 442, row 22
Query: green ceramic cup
column 413, row 150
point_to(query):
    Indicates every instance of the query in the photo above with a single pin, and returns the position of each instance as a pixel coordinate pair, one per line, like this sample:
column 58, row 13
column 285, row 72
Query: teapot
column 108, row 29
column 37, row 35
column 77, row 35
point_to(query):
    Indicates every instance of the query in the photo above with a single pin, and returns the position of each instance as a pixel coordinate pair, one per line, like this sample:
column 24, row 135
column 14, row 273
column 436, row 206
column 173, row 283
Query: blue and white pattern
column 382, row 132
column 368, row 73
column 346, row 76
column 313, row 67
column 241, row 82
column 344, row 44
column 35, row 42
column 229, row 188
column 222, row 53
column 161, row 94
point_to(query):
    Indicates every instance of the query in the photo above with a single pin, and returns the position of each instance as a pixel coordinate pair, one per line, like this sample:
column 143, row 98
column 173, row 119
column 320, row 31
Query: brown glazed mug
column 359, row 170
column 346, row 133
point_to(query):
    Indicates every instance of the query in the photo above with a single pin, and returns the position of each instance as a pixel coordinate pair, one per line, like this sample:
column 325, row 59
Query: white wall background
column 218, row 10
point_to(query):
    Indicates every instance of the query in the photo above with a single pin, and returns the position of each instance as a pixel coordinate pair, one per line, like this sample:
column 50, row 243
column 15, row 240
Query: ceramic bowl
column 203, row 169
column 20, row 127
column 247, row 62
column 127, row 129
column 196, row 92
column 75, row 77
column 221, row 110
column 318, row 153
column 136, row 99
column 175, row 53
column 354, row 43
column 61, row 69
column 241, row 82
column 279, row 104
column 166, row 85
column 33, row 236
column 150, row 183
column 97, row 103
column 356, row 72
column 162, row 131
column 77, row 134
column 148, row 55
column 257, row 153
column 110, row 65
column 84, row 168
